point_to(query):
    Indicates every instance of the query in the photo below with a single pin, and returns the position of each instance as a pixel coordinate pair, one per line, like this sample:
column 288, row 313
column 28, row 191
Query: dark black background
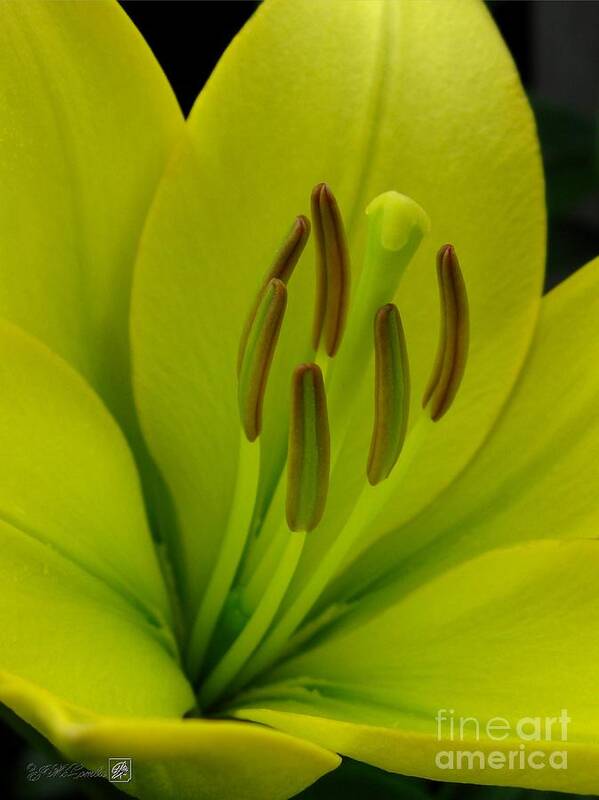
column 556, row 48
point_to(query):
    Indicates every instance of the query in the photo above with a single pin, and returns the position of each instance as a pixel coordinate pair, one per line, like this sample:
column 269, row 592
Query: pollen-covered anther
column 282, row 269
column 309, row 449
column 332, row 270
column 454, row 336
column 391, row 394
column 258, row 354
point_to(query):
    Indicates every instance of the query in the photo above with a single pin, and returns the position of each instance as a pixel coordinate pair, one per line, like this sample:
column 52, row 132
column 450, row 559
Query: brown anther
column 309, row 449
column 281, row 269
column 454, row 335
column 258, row 354
column 391, row 394
column 332, row 270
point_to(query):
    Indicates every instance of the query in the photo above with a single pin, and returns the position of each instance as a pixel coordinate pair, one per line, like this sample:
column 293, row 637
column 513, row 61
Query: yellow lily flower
column 306, row 574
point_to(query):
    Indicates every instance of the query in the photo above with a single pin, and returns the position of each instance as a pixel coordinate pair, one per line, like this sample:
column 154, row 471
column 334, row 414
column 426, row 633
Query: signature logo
column 119, row 770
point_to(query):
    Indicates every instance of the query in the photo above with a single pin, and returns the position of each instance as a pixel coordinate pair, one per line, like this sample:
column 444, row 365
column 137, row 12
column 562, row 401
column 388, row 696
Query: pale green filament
column 252, row 591
column 246, row 484
column 240, row 651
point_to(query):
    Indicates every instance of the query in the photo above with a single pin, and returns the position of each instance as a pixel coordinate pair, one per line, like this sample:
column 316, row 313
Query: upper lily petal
column 87, row 120
column 368, row 96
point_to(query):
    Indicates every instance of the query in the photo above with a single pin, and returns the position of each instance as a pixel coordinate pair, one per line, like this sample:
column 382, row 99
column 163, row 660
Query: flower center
column 248, row 612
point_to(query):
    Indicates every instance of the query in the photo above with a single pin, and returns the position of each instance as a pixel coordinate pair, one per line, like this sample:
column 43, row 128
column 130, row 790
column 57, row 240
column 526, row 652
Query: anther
column 454, row 334
column 391, row 394
column 282, row 269
column 257, row 356
column 309, row 449
column 332, row 270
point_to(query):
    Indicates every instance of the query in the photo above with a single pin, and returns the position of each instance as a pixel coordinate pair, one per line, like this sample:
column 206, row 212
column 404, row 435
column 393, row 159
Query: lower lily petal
column 496, row 640
column 513, row 491
column 174, row 759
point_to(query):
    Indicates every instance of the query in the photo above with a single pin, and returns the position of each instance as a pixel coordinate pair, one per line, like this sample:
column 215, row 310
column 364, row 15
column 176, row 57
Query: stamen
column 391, row 394
column 282, row 269
column 309, row 449
column 332, row 270
column 396, row 226
column 258, row 354
column 452, row 352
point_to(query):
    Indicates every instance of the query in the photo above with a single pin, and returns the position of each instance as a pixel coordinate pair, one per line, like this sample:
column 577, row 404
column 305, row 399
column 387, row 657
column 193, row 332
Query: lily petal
column 67, row 478
column 69, row 632
column 511, row 493
column 499, row 636
column 368, row 96
column 87, row 121
column 106, row 687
